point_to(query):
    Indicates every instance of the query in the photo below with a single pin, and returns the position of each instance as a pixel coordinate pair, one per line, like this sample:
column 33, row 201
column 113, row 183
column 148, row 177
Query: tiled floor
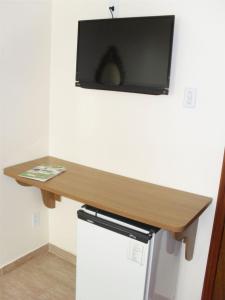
column 45, row 277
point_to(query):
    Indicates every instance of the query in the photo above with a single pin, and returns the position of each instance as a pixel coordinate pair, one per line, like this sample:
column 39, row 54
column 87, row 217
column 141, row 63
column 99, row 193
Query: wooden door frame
column 216, row 239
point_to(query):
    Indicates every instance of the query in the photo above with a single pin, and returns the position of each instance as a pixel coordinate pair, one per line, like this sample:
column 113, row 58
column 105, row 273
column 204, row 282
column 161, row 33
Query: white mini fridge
column 121, row 259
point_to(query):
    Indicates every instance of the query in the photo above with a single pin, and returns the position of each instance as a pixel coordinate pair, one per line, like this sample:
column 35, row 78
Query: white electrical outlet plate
column 190, row 97
column 36, row 219
column 114, row 3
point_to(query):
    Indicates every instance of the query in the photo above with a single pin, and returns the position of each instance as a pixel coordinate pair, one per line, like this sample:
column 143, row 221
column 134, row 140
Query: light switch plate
column 190, row 97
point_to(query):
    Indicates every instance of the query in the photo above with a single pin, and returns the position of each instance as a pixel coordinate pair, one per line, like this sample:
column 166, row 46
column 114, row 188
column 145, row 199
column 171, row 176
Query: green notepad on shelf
column 43, row 172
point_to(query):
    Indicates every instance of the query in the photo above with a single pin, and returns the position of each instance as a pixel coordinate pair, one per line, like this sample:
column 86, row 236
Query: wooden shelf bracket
column 48, row 198
column 188, row 236
column 21, row 183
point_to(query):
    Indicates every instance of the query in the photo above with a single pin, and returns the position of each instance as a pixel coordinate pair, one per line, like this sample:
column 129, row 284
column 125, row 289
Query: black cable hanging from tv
column 112, row 9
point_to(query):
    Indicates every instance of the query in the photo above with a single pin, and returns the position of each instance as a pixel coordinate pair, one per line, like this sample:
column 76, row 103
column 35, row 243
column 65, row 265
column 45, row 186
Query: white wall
column 146, row 137
column 24, row 126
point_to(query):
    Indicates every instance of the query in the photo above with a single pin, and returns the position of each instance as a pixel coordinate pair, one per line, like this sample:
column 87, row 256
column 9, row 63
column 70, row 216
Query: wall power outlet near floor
column 36, row 219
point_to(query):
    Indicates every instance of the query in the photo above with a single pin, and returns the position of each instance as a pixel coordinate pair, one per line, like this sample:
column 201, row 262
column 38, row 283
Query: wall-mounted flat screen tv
column 125, row 54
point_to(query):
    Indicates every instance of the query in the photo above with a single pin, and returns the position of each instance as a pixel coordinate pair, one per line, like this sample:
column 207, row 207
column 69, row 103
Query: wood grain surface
column 45, row 277
column 216, row 241
column 22, row 260
column 167, row 208
column 219, row 284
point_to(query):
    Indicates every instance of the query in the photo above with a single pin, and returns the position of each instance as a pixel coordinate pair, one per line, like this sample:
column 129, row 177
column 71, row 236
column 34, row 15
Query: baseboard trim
column 15, row 264
column 40, row 251
column 67, row 256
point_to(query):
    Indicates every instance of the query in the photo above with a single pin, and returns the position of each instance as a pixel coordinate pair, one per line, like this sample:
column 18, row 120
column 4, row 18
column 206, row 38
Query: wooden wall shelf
column 173, row 210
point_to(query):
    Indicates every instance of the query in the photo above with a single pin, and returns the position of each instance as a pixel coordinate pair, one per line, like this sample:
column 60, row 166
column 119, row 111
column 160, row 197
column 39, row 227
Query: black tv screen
column 125, row 54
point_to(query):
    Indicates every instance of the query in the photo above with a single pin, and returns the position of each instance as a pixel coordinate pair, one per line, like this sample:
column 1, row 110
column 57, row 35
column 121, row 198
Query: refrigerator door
column 110, row 266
